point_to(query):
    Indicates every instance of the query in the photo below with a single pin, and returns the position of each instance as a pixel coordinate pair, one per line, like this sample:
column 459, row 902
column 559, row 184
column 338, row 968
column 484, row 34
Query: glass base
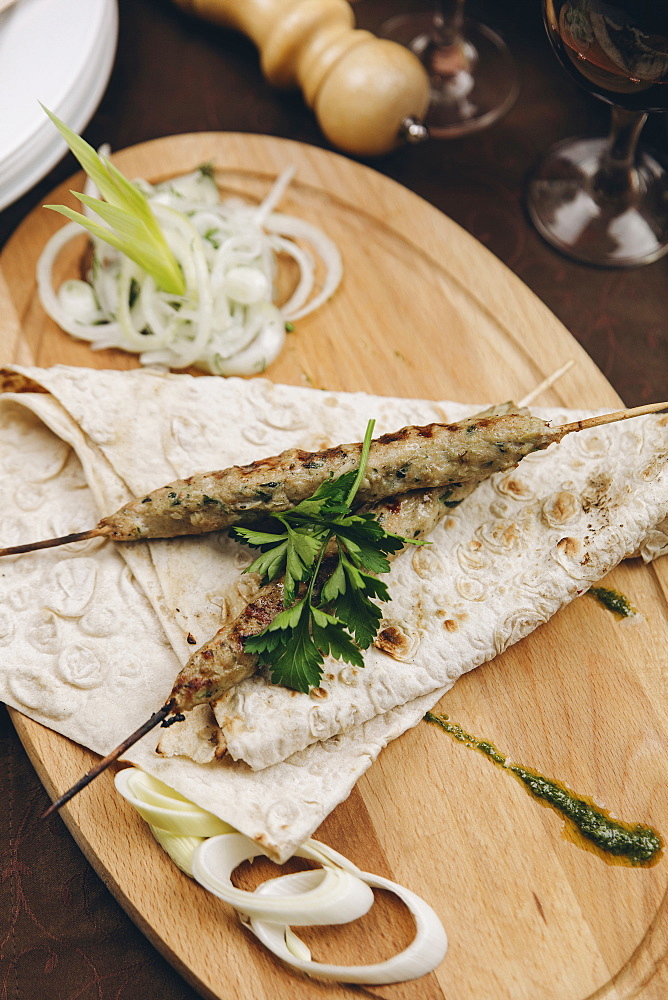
column 473, row 82
column 612, row 232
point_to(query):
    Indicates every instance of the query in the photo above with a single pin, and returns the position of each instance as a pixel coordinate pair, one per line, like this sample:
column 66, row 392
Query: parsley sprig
column 329, row 558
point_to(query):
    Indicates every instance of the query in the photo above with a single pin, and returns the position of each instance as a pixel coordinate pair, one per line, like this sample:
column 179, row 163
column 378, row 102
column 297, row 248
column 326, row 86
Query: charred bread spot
column 571, row 547
column 392, row 641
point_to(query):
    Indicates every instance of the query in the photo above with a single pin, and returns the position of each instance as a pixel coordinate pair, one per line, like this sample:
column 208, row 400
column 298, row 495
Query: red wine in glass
column 602, row 201
column 620, row 48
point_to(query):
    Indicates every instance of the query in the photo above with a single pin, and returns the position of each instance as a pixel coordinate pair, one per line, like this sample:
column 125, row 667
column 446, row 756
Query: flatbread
column 91, row 637
column 523, row 545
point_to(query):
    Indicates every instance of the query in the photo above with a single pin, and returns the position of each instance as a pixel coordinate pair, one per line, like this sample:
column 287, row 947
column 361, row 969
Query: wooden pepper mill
column 368, row 94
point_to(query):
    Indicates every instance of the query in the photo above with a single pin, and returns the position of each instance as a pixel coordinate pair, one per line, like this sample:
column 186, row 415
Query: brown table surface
column 62, row 934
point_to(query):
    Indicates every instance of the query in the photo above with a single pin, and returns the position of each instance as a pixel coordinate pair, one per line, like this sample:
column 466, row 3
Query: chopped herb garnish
column 337, row 616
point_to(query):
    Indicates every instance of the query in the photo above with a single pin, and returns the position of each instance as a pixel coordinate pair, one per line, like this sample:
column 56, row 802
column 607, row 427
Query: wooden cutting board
column 424, row 310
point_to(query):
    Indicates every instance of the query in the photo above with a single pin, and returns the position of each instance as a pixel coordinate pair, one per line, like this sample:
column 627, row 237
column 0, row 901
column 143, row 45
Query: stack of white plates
column 59, row 53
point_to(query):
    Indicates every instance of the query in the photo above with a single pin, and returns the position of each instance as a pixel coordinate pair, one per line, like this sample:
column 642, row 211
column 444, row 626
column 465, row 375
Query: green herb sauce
column 587, row 824
column 620, row 605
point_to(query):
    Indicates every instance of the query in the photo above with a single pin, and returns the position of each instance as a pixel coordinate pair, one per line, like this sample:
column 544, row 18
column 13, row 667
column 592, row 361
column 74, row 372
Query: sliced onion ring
column 179, row 848
column 423, row 954
column 198, row 328
column 170, row 813
column 333, row 896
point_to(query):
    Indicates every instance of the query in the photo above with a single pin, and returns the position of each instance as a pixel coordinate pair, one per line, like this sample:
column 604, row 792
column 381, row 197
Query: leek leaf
column 134, row 229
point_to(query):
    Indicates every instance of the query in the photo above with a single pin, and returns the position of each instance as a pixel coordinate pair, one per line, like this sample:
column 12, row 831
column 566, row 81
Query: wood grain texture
column 423, row 310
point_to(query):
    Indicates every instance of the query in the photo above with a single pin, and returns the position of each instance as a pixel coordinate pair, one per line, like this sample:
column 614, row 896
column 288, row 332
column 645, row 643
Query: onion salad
column 180, row 276
column 209, row 850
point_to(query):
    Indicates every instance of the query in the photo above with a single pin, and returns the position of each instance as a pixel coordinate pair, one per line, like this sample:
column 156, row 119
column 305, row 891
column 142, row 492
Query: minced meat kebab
column 434, row 455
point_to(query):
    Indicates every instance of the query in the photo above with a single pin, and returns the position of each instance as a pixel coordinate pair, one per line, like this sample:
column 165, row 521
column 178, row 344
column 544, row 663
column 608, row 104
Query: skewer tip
column 608, row 418
column 50, row 543
column 546, row 384
column 103, row 764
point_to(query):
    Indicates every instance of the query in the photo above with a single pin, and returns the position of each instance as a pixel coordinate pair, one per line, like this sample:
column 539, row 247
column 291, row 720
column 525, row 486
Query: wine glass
column 472, row 75
column 602, row 201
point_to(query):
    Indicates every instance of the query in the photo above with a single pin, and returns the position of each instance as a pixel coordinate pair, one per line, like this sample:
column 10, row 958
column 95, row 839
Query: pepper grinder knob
column 363, row 89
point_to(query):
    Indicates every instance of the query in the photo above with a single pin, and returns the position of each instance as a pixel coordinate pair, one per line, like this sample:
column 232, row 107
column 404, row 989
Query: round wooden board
column 424, row 310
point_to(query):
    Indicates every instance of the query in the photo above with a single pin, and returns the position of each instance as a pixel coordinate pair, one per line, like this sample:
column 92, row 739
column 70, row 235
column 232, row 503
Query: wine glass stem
column 448, row 21
column 617, row 178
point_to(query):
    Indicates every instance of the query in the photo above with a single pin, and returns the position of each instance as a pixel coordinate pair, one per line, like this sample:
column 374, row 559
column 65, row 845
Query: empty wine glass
column 602, row 201
column 472, row 75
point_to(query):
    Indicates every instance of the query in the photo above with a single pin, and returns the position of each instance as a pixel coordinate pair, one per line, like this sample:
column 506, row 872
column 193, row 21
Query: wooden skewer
column 50, row 543
column 80, row 536
column 556, row 433
column 160, row 716
column 103, row 764
column 607, row 418
column 546, row 384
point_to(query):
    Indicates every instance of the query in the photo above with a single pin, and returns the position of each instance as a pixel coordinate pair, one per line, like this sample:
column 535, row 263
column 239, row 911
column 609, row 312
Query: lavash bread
column 92, row 637
column 524, row 544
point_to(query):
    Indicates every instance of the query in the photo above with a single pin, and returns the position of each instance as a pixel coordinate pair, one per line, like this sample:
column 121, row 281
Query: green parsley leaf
column 335, row 585
column 355, row 605
column 257, row 539
column 289, row 649
column 303, row 549
column 271, row 563
column 343, row 618
column 332, row 639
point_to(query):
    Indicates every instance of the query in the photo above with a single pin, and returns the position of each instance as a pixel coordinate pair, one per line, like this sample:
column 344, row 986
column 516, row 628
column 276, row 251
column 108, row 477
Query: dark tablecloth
column 62, row 935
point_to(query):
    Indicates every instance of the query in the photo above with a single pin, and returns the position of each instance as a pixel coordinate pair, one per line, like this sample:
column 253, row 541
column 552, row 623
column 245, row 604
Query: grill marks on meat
column 222, row 661
column 434, row 456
